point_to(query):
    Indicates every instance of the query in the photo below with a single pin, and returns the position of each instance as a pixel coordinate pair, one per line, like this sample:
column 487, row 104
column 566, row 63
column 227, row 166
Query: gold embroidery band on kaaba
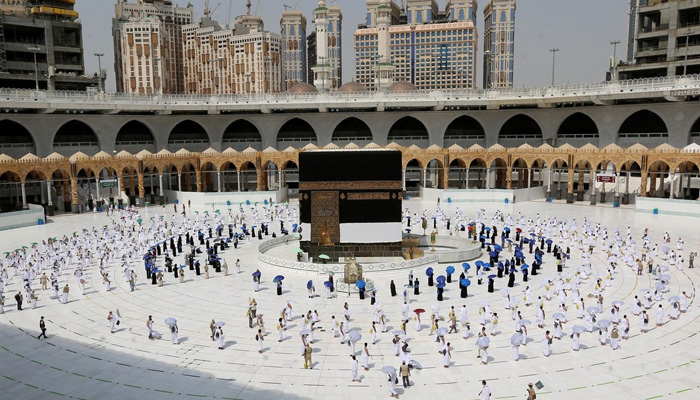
column 351, row 185
column 369, row 196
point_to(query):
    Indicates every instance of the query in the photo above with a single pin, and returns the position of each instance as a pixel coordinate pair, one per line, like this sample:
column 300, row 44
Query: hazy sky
column 581, row 30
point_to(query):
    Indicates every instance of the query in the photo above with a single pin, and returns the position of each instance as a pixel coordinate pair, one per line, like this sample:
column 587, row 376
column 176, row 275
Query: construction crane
column 208, row 12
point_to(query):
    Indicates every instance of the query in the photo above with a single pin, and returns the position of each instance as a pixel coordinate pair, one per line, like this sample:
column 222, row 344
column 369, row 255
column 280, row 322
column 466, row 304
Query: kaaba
column 350, row 203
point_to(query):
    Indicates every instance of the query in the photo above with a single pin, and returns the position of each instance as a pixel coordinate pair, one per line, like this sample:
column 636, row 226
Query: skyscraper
column 310, row 57
column 429, row 47
column 335, row 50
column 294, row 56
column 148, row 45
column 223, row 60
column 499, row 43
column 41, row 44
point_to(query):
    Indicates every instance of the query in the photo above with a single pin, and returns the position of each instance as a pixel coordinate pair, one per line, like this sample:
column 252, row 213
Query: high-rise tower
column 499, row 43
column 384, row 71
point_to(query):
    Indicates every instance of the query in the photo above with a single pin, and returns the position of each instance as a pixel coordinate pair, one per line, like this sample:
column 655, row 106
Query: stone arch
column 210, row 174
column 407, row 131
column 413, row 176
column 296, row 133
column 643, row 125
column 15, row 139
column 434, row 174
column 270, row 175
column 520, row 129
column 241, row 134
column 135, row 136
column 290, row 176
column 520, row 174
column 457, row 174
column 151, row 183
column 464, row 131
column 10, row 191
column 229, row 176
column 188, row 177
column 34, row 186
column 249, row 176
column 76, row 135
column 189, row 135
column 659, row 184
column 578, row 129
column 351, row 130
column 497, row 173
column 130, row 183
column 682, row 186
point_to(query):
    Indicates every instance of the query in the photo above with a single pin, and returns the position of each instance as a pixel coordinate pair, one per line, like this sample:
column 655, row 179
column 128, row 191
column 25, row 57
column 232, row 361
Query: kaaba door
column 325, row 213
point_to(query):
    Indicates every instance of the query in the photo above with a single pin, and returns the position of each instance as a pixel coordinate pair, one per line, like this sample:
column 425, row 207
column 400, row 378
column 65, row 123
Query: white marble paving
column 81, row 359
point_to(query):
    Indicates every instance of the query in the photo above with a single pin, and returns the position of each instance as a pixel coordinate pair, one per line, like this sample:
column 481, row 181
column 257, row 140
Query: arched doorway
column 695, row 132
column 408, row 131
column 602, row 191
column 434, row 174
column 413, row 177
column 476, row 174
column 686, row 181
column 578, row 129
column 497, row 174
column 152, row 184
column 271, row 176
column 188, row 178
column 659, row 182
column 88, row 192
column 210, row 178
column 464, row 131
column 130, row 184
column 242, row 134
column 60, row 191
column 520, row 174
column 10, row 192
column 352, row 130
column 249, row 177
column 229, row 177
column 35, row 187
column 457, row 175
column 15, row 139
column 171, row 179
column 188, row 135
column 560, row 180
column 290, row 178
column 643, row 126
column 518, row 130
column 74, row 136
column 296, row 133
column 630, row 177
column 135, row 136
column 583, row 179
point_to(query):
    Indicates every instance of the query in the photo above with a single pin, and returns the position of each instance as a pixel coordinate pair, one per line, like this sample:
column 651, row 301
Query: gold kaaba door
column 325, row 220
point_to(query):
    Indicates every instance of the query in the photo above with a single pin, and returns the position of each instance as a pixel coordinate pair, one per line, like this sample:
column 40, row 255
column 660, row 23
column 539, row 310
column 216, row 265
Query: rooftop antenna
column 248, row 7
column 286, row 7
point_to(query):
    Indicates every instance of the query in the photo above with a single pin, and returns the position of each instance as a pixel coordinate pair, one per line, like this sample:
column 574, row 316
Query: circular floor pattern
column 82, row 360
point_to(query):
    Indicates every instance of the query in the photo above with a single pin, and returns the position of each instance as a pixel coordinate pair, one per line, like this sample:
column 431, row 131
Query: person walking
column 531, row 395
column 174, row 330
column 354, row 369
column 485, row 393
column 42, row 326
column 112, row 318
column 405, row 374
column 307, row 357
column 259, row 338
column 18, row 299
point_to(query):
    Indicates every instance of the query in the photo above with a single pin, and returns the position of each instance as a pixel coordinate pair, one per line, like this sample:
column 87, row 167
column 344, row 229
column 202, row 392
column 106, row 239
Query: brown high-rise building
column 41, row 45
column 148, row 54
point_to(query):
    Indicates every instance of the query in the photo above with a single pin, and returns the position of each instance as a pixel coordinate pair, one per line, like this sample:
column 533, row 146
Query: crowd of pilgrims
column 510, row 242
column 129, row 240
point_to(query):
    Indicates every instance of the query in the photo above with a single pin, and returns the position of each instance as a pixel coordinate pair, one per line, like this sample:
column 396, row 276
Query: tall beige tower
column 385, row 67
column 322, row 69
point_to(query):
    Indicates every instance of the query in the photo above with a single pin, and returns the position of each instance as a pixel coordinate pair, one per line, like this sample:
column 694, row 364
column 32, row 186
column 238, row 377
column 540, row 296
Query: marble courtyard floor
column 82, row 360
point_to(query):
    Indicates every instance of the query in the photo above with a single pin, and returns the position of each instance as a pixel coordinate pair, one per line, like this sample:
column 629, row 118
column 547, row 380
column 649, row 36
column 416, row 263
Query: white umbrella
column 674, row 299
column 604, row 323
column 516, row 339
column 415, row 364
column 436, row 308
column 397, row 332
column 593, row 310
column 219, row 324
column 354, row 336
column 579, row 328
column 378, row 306
column 388, row 369
column 441, row 331
column 524, row 322
column 304, row 332
column 559, row 316
column 618, row 303
column 170, row 321
column 483, row 341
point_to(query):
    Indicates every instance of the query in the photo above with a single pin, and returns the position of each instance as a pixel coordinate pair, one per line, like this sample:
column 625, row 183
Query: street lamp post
column 554, row 53
column 36, row 68
column 614, row 43
column 100, row 86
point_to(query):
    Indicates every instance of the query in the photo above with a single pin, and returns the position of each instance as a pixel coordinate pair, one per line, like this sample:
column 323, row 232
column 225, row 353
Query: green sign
column 109, row 183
